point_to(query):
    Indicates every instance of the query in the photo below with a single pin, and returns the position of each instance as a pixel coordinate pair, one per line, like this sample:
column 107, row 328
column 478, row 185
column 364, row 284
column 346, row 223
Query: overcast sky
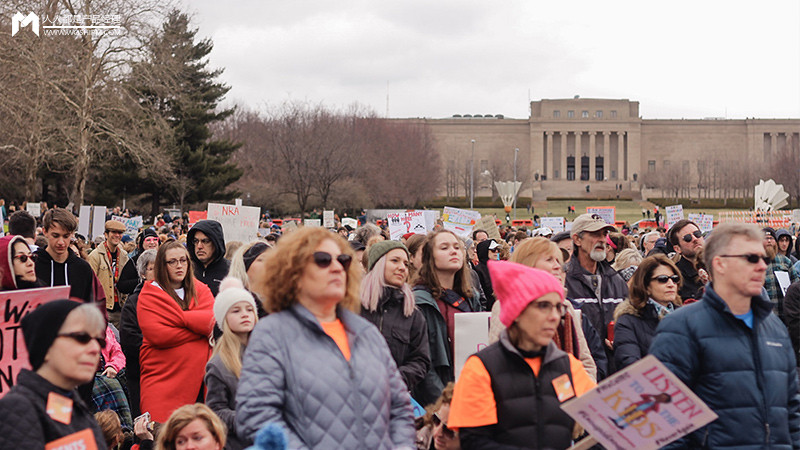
column 435, row 58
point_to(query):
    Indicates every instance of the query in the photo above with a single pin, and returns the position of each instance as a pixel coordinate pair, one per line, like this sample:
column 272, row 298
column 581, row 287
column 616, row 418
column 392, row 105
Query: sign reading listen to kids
column 644, row 407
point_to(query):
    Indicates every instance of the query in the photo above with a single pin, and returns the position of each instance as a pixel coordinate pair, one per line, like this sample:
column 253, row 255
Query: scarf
column 566, row 337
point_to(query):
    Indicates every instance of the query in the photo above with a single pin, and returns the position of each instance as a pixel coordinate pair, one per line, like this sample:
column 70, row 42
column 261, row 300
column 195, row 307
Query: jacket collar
column 574, row 268
column 552, row 353
column 760, row 305
column 350, row 320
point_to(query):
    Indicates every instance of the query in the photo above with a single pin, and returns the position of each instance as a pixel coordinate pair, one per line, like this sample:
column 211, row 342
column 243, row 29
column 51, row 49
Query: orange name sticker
column 563, row 388
column 83, row 440
column 59, row 408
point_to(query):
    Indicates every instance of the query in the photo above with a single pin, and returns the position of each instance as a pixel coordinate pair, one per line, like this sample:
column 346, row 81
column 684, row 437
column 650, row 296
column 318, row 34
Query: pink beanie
column 516, row 286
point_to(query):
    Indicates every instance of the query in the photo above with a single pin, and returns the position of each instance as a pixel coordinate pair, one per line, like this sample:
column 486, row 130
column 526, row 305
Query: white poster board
column 2, row 224
column 239, row 223
column 328, row 220
column 132, row 224
column 406, row 222
column 644, row 406
column 35, row 209
column 84, row 220
column 353, row 223
column 607, row 213
column 460, row 221
column 312, row 222
column 430, row 218
column 554, row 223
column 98, row 221
column 674, row 214
column 471, row 335
column 704, row 221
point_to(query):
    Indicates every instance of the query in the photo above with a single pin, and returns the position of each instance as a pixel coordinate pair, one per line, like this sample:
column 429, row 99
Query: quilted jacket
column 747, row 376
column 294, row 375
column 24, row 423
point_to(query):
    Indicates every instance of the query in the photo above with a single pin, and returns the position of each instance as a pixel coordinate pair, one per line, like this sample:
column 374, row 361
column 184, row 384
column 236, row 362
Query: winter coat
column 634, row 330
column 441, row 371
column 690, row 289
column 175, row 348
column 129, row 278
column 780, row 233
column 407, row 337
column 482, row 251
column 25, row 424
column 221, row 386
column 101, row 265
column 217, row 269
column 296, row 376
column 130, row 338
column 74, row 272
column 747, row 376
column 112, row 352
column 791, row 317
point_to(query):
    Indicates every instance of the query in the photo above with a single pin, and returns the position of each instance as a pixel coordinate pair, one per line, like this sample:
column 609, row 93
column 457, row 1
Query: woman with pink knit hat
column 510, row 393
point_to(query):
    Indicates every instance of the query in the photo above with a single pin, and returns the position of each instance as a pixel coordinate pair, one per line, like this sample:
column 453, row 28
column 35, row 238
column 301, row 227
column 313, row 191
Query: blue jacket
column 747, row 376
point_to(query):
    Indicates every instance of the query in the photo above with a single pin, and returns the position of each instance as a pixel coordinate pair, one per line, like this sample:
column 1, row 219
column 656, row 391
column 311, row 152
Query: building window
column 666, row 163
column 585, row 114
column 598, row 114
column 613, row 114
column 484, row 165
column 570, row 114
column 651, row 166
column 556, row 114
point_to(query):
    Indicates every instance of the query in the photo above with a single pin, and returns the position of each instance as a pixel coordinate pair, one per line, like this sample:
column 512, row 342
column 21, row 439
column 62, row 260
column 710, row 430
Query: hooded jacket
column 482, row 251
column 217, row 269
column 74, row 272
column 747, row 376
column 779, row 233
column 9, row 281
column 129, row 278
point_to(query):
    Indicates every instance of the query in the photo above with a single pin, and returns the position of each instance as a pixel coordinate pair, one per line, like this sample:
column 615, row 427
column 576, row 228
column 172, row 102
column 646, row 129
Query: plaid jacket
column 780, row 263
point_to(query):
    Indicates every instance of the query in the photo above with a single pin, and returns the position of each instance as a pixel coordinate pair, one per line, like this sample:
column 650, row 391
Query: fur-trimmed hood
column 626, row 308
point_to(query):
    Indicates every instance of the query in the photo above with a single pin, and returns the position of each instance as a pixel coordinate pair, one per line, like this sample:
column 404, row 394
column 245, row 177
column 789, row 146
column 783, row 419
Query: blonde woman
column 192, row 426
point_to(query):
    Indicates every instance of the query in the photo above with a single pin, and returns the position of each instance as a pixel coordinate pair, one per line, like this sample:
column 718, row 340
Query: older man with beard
column 593, row 286
column 686, row 239
column 780, row 273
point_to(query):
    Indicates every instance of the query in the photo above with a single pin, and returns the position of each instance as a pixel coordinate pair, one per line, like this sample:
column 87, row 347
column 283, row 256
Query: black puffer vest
column 528, row 411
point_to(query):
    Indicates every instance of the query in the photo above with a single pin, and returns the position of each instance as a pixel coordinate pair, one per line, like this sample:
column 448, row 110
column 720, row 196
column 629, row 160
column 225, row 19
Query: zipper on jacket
column 766, row 427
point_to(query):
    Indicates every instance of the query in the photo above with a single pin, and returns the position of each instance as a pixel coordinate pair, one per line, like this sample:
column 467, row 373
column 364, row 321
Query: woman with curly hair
column 314, row 366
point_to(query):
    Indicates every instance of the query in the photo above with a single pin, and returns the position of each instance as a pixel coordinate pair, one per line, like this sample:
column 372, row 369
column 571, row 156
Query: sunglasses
column 24, row 258
column 752, row 258
column 664, row 278
column 448, row 433
column 84, row 338
column 324, row 259
column 689, row 237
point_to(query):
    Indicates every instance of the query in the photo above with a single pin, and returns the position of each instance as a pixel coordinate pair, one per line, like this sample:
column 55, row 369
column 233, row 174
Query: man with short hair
column 206, row 245
column 107, row 261
column 593, row 286
column 649, row 241
column 686, row 239
column 22, row 223
column 56, row 265
column 732, row 352
column 780, row 273
column 479, row 236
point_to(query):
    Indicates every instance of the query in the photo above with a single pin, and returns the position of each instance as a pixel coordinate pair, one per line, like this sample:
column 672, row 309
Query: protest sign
column 239, row 223
column 98, row 221
column 554, row 223
column 607, row 213
column 289, row 226
column 132, row 224
column 2, row 224
column 84, row 220
column 471, row 335
column 353, row 223
column 15, row 305
column 674, row 214
column 460, row 221
column 704, row 221
column 34, row 208
column 312, row 222
column 488, row 225
column 644, row 406
column 328, row 220
column 430, row 219
column 406, row 222
column 197, row 216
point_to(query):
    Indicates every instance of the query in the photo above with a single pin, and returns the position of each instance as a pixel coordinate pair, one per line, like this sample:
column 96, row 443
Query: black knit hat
column 253, row 253
column 40, row 328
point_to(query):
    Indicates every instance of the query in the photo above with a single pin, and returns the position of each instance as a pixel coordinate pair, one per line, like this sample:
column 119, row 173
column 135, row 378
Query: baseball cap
column 590, row 223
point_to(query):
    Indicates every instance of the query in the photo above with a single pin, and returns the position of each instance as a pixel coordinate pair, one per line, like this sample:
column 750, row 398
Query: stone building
column 568, row 146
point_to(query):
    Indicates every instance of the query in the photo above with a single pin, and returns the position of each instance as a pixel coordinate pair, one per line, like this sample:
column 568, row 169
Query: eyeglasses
column 324, row 259
column 204, row 241
column 689, row 237
column 176, row 262
column 24, row 258
column 547, row 307
column 752, row 258
column 84, row 338
column 448, row 433
column 664, row 278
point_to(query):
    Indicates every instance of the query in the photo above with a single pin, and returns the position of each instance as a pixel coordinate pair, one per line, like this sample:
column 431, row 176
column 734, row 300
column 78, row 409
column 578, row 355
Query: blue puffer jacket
column 294, row 375
column 746, row 376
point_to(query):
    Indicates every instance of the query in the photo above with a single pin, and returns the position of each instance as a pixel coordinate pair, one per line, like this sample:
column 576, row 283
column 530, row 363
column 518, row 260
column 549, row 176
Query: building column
column 592, row 152
column 773, row 145
column 606, row 155
column 563, row 171
column 548, row 169
column 620, row 155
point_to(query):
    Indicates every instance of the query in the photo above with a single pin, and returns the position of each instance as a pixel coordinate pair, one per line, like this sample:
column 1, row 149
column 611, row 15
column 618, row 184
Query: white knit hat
column 231, row 292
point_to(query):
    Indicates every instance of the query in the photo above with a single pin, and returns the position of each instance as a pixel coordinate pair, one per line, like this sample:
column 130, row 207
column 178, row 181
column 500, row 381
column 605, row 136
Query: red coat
column 175, row 349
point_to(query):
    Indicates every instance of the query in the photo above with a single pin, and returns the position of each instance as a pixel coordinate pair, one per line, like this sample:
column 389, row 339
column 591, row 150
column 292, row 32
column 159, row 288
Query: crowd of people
column 344, row 338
